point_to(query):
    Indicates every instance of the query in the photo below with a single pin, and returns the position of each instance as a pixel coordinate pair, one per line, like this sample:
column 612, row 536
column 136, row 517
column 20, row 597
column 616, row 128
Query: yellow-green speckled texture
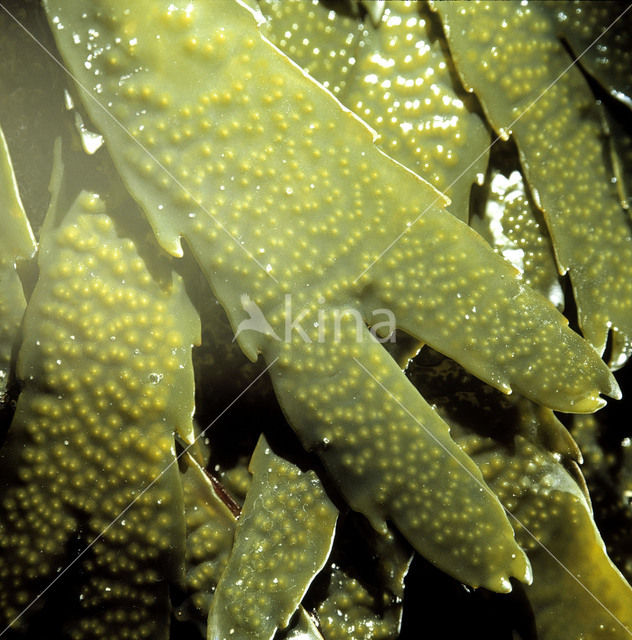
column 106, row 367
column 398, row 81
column 350, row 611
column 608, row 60
column 325, row 43
column 265, row 169
column 237, row 479
column 283, row 538
column 16, row 242
column 210, row 531
column 621, row 154
column 561, row 539
column 315, row 221
column 576, row 592
column 509, row 54
column 278, row 190
column 393, row 455
column 597, row 32
column 365, row 603
column 511, row 225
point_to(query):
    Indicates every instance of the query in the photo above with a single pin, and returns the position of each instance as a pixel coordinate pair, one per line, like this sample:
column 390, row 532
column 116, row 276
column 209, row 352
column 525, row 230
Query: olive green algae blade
column 404, row 89
column 509, row 54
column 511, row 225
column 600, row 36
column 209, row 539
column 32, row 105
column 471, row 305
column 272, row 160
column 608, row 471
column 300, row 29
column 364, row 597
column 16, row 242
column 397, row 78
column 352, row 611
column 392, row 455
column 283, row 539
column 620, row 139
column 576, row 592
column 17, row 237
column 280, row 191
column 90, row 454
column 210, row 535
column 304, row 628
